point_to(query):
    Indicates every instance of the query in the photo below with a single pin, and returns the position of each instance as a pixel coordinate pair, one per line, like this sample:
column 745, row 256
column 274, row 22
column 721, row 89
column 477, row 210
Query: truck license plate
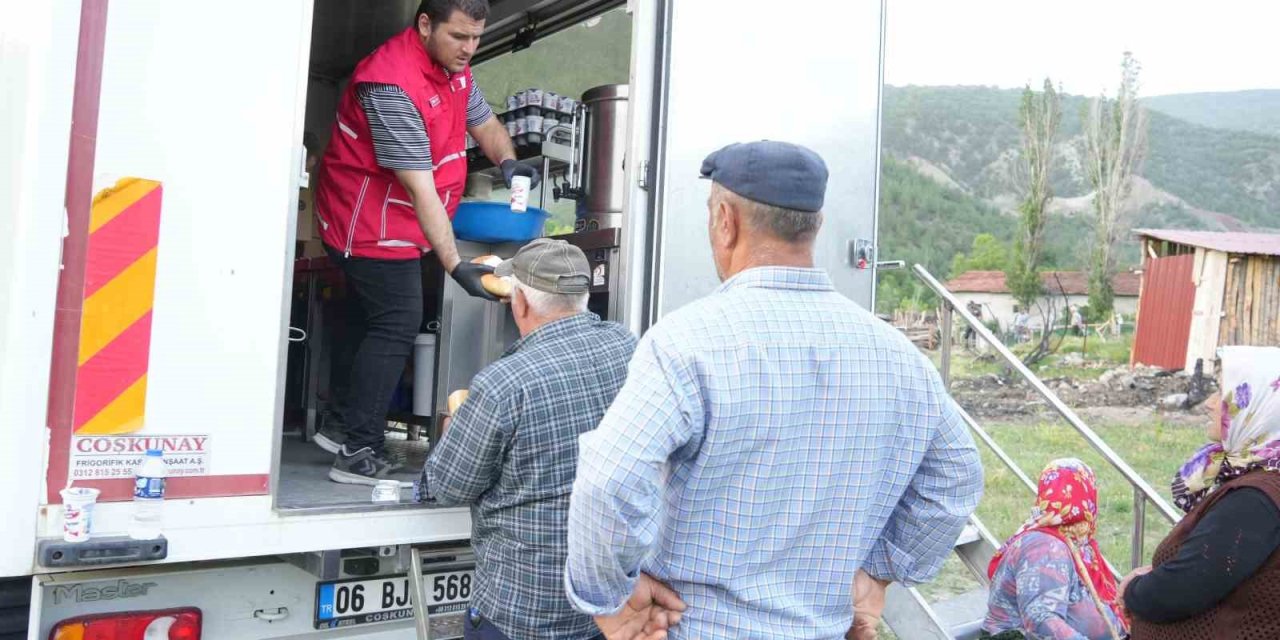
column 343, row 603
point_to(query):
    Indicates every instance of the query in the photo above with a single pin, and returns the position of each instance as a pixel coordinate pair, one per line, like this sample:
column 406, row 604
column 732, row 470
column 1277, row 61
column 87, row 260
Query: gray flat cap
column 553, row 266
column 775, row 173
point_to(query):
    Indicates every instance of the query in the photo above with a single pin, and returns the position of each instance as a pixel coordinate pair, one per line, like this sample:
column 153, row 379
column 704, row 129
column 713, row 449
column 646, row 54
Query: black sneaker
column 393, row 462
column 332, row 433
column 360, row 467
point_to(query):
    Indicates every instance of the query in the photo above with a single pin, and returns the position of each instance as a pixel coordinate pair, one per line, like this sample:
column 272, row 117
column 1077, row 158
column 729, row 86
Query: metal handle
column 303, row 177
column 275, row 615
column 578, row 147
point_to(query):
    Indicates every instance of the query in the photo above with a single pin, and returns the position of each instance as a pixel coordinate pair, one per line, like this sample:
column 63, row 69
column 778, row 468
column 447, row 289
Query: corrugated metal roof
column 1267, row 244
column 1072, row 283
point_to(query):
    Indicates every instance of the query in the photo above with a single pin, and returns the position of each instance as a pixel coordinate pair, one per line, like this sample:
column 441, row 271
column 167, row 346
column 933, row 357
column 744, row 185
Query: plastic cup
column 520, row 186
column 386, row 492
column 77, row 512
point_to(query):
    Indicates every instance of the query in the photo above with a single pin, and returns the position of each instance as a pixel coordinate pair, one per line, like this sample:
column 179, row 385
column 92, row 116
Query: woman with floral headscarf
column 1050, row 580
column 1217, row 574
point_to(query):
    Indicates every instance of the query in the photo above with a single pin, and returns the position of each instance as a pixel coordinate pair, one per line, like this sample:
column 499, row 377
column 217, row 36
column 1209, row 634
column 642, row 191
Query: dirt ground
column 1119, row 396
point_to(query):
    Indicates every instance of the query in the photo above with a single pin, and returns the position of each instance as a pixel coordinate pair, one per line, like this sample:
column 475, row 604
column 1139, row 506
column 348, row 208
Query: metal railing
column 1142, row 492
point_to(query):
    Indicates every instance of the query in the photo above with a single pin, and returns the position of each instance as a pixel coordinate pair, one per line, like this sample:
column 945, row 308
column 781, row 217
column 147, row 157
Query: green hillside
column 945, row 179
column 1256, row 111
column 971, row 134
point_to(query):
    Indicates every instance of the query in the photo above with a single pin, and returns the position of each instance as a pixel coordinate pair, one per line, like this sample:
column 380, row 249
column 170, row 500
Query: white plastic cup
column 77, row 512
column 520, row 186
column 386, row 492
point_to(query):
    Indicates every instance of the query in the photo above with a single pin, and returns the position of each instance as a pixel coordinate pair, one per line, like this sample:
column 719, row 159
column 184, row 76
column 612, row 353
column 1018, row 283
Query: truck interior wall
column 37, row 54
column 322, row 107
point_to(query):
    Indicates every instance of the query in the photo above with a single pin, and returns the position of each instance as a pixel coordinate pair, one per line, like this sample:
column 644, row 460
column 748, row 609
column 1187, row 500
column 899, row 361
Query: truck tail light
column 169, row 624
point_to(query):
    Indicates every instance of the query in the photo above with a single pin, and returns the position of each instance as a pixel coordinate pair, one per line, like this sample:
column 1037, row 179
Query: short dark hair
column 439, row 11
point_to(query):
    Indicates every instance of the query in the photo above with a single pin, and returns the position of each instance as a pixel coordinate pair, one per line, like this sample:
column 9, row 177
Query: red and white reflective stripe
column 382, row 232
column 348, row 130
column 400, row 202
column 450, row 158
column 355, row 215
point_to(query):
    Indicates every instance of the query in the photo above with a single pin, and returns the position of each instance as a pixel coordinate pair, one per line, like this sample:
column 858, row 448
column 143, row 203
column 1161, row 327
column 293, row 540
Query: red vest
column 362, row 208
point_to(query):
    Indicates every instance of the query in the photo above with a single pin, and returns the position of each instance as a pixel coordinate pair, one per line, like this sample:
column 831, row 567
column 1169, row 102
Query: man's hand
column 445, row 421
column 511, row 168
column 652, row 609
column 868, row 605
column 467, row 275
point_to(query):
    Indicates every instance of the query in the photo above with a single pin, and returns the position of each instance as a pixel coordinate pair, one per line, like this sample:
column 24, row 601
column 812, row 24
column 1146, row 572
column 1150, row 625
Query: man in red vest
column 388, row 186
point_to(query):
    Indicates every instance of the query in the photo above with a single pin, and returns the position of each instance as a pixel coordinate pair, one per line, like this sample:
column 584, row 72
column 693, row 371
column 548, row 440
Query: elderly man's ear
column 726, row 224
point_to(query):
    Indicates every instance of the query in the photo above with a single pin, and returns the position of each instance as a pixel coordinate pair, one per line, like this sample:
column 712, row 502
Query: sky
column 1184, row 46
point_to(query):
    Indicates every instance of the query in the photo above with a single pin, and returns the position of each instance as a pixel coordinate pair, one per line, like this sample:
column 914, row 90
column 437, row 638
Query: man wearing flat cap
column 512, row 448
column 773, row 442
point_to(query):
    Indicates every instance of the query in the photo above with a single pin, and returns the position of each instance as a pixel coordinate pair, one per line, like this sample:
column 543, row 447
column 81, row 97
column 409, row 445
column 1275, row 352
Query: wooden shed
column 1202, row 290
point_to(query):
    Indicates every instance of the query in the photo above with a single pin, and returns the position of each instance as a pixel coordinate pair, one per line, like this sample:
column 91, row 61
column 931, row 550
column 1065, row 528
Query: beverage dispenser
column 598, row 172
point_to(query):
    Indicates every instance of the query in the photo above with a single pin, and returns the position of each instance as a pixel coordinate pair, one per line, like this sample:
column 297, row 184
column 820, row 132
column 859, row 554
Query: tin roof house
column 1202, row 290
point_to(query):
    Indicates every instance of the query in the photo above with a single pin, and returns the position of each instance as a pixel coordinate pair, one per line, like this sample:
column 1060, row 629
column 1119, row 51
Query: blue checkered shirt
column 770, row 440
column 511, row 453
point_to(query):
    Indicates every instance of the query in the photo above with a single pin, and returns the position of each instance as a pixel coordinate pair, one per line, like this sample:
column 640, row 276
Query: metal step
column 912, row 617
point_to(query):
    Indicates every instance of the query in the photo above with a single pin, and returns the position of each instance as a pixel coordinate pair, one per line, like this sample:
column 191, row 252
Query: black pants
column 386, row 314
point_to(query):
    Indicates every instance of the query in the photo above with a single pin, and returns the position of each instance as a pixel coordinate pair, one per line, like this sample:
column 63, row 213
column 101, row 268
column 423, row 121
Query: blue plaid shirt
column 511, row 453
column 770, row 440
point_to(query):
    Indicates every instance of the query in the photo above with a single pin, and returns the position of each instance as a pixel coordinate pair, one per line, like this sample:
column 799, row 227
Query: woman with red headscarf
column 1049, row 580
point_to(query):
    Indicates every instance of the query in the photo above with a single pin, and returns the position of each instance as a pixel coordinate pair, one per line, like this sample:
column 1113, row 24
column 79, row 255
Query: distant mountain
column 1255, row 111
column 1222, row 179
column 948, row 155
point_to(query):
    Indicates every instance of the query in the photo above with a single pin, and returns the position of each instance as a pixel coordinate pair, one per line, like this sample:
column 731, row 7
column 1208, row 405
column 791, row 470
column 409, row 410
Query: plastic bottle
column 148, row 496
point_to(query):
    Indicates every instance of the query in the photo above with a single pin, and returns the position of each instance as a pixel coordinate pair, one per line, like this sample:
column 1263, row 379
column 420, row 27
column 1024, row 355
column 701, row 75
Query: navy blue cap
column 775, row 173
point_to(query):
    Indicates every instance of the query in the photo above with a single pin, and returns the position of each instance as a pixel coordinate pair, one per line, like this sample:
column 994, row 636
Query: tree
column 1039, row 117
column 988, row 254
column 1115, row 144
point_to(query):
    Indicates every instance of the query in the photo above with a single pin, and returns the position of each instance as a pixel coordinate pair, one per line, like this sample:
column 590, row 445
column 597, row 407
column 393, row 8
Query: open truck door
column 807, row 72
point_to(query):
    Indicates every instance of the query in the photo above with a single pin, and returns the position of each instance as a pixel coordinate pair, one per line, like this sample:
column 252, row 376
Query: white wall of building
column 1000, row 306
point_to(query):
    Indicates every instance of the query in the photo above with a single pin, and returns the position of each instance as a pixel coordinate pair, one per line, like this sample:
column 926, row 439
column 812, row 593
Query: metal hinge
column 644, row 175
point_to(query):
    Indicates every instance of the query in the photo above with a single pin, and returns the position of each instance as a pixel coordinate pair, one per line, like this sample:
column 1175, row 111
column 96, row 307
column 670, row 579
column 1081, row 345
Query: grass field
column 1100, row 356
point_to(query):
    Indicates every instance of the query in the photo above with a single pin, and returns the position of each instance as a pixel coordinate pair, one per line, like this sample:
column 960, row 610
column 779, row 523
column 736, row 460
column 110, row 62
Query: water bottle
column 148, row 496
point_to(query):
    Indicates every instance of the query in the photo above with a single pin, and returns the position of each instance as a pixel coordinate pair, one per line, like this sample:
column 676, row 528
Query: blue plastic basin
column 493, row 222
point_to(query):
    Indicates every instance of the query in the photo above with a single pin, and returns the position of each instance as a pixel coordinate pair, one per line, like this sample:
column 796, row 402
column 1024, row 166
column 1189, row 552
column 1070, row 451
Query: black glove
column 467, row 275
column 511, row 169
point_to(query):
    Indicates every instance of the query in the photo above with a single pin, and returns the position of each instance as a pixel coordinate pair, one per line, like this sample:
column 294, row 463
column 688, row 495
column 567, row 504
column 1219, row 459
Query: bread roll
column 456, row 399
column 498, row 287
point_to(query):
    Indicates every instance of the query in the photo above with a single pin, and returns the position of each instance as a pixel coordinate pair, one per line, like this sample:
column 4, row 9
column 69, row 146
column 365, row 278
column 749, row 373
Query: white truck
column 161, row 313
